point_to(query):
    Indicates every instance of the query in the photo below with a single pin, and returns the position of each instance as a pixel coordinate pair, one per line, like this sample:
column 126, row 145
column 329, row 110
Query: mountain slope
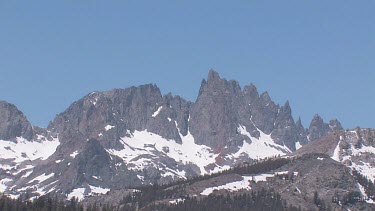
column 354, row 148
column 23, row 148
column 308, row 182
column 137, row 136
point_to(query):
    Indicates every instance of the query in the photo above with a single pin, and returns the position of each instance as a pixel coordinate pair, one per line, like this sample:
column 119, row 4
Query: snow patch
column 6, row 167
column 98, row 190
column 23, row 150
column 142, row 178
column 176, row 201
column 108, row 127
column 298, row 145
column 363, row 192
column 281, row 172
column 143, row 149
column 262, row 177
column 259, row 148
column 144, row 142
column 363, row 149
column 157, row 111
column 299, row 191
column 74, row 154
column 78, row 193
column 232, row 186
column 365, row 169
column 27, row 167
column 336, row 153
column 97, row 178
column 27, row 174
column 42, row 178
column 3, row 183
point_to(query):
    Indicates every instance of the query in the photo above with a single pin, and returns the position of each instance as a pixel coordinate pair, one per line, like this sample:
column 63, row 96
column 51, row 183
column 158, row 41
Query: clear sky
column 319, row 55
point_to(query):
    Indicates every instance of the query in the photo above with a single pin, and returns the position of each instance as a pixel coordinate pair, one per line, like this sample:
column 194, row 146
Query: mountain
column 353, row 148
column 13, row 123
column 318, row 128
column 24, row 148
column 137, row 136
column 308, row 182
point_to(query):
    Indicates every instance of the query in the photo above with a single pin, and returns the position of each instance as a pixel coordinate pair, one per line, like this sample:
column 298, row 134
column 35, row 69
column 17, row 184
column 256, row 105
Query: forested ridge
column 146, row 197
column 262, row 200
column 170, row 197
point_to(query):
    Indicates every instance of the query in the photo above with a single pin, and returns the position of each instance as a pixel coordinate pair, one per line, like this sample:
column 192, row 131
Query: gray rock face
column 335, row 125
column 108, row 139
column 222, row 106
column 108, row 116
column 318, row 128
column 285, row 131
column 215, row 114
column 302, row 133
column 264, row 112
column 13, row 123
column 213, row 120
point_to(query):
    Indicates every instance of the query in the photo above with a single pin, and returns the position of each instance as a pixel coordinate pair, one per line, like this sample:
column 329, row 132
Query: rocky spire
column 214, row 115
column 300, row 127
column 13, row 123
column 213, row 76
column 264, row 112
column 335, row 125
column 251, row 92
column 285, row 132
column 301, row 132
column 318, row 128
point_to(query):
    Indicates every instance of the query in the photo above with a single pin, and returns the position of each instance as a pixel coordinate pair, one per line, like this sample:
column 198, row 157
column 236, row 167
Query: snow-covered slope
column 143, row 149
column 46, row 164
column 356, row 149
column 18, row 159
column 22, row 150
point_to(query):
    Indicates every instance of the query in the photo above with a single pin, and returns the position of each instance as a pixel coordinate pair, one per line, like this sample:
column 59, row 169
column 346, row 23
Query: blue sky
column 319, row 55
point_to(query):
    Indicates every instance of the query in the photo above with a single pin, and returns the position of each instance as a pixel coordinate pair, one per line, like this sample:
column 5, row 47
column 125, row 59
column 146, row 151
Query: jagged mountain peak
column 219, row 86
column 335, row 125
column 222, row 106
column 318, row 128
column 317, row 118
column 154, row 138
column 213, row 76
column 265, row 97
column 251, row 91
column 286, row 108
column 287, row 104
column 299, row 122
column 13, row 123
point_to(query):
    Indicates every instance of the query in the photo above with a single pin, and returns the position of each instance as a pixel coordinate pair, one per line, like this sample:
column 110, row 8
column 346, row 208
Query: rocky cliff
column 137, row 136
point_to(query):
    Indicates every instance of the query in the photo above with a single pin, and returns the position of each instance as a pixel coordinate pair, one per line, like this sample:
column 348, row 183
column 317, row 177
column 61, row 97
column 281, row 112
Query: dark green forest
column 263, row 200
